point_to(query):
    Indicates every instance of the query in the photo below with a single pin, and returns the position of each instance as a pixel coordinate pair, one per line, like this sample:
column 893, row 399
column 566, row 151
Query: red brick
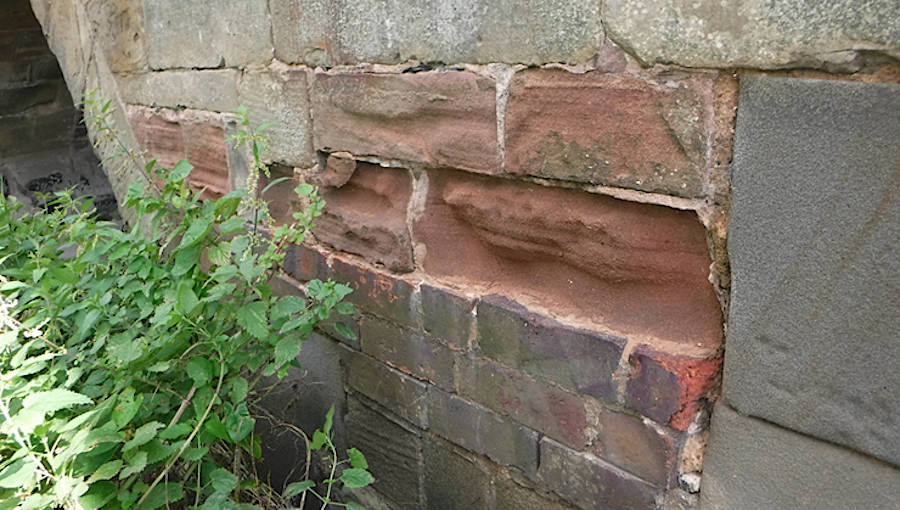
column 612, row 129
column 555, row 412
column 159, row 134
column 204, row 143
column 440, row 118
column 625, row 267
column 367, row 216
column 376, row 292
column 670, row 388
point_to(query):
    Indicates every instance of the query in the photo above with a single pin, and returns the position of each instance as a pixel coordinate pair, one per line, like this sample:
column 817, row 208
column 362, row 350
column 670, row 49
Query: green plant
column 130, row 361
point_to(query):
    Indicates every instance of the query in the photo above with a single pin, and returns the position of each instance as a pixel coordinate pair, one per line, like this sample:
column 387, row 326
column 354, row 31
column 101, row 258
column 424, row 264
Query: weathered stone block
column 814, row 233
column 755, row 33
column 447, row 315
column 617, row 266
column 279, row 95
column 159, row 134
column 205, row 148
column 305, row 263
column 221, row 33
column 557, row 413
column 641, row 448
column 454, row 479
column 321, row 32
column 214, row 90
column 26, row 134
column 670, row 388
column 367, row 216
column 591, row 483
column 753, row 464
column 577, row 359
column 393, row 449
column 441, row 118
column 21, row 99
column 388, row 387
column 611, row 129
column 408, row 350
column 376, row 292
column 515, row 494
column 483, row 431
column 282, row 201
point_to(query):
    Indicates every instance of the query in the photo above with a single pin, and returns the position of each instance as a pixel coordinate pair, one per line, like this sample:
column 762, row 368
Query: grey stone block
column 455, row 479
column 388, row 387
column 281, row 98
column 751, row 464
column 813, row 241
column 328, row 32
column 205, row 90
column 483, row 431
column 754, row 33
column 217, row 33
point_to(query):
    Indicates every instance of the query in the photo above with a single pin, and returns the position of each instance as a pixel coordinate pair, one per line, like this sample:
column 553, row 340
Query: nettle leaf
column 193, row 454
column 357, row 459
column 126, row 407
column 287, row 349
column 98, row 495
column 200, row 370
column 222, row 481
column 181, row 170
column 239, row 389
column 287, row 306
column 136, row 464
column 196, row 231
column 186, row 299
column 54, row 400
column 297, row 487
column 106, row 471
column 239, row 424
column 168, row 492
column 142, row 435
column 354, row 478
column 176, row 431
column 252, row 317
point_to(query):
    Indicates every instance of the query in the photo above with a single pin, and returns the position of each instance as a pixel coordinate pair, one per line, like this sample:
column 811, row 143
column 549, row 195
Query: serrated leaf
column 135, row 465
column 357, row 459
column 297, row 487
column 142, row 435
column 345, row 308
column 239, row 423
column 252, row 317
column 287, row 349
column 106, row 471
column 181, row 170
column 222, row 480
column 215, row 427
column 217, row 255
column 98, row 495
column 126, row 408
column 54, row 400
column 192, row 454
column 196, row 231
column 176, row 431
column 186, row 299
column 287, row 306
column 200, row 370
column 354, row 478
column 232, row 225
column 239, row 388
column 162, row 494
column 26, row 420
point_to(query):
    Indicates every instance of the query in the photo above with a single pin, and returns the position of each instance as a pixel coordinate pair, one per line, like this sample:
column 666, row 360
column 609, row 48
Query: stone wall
column 532, row 201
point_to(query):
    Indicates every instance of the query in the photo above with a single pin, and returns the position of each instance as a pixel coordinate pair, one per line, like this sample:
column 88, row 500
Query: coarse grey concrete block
column 752, row 464
column 813, row 241
column 209, row 34
column 214, row 90
column 330, row 32
column 755, row 33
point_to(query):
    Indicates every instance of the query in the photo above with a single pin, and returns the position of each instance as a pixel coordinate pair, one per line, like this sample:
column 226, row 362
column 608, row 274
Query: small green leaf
column 222, row 480
column 239, row 388
column 98, row 495
column 200, row 370
column 297, row 487
column 239, row 424
column 176, row 431
column 186, row 299
column 345, row 308
column 252, row 317
column 192, row 454
column 215, row 427
column 355, row 478
column 318, row 440
column 19, row 474
column 287, row 349
column 106, row 471
column 232, row 225
column 145, row 433
column 126, row 408
column 344, row 331
column 329, row 419
column 357, row 459
column 54, row 400
column 162, row 494
column 354, row 506
column 181, row 170
column 135, row 465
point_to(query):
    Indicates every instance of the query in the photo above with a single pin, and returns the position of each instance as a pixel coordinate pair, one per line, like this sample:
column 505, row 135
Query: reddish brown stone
column 204, row 143
column 305, row 263
column 637, row 447
column 441, row 118
column 612, row 129
column 635, row 269
column 339, row 167
column 376, row 292
column 158, row 134
column 367, row 216
column 669, row 388
column 283, row 201
column 557, row 413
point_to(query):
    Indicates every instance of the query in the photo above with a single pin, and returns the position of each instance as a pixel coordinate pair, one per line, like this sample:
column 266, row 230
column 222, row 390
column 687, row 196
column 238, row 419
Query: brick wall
column 530, row 199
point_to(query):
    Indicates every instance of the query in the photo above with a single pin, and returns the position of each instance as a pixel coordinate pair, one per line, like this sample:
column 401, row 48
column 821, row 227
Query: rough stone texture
column 67, row 39
column 408, row 351
column 392, row 389
column 630, row 268
column 591, row 483
column 512, row 493
column 376, row 292
column 814, row 237
column 441, row 118
column 159, row 135
column 205, row 148
column 612, row 129
column 483, row 431
column 754, row 33
column 670, row 388
column 367, row 216
column 752, row 464
column 117, row 29
column 454, row 479
column 393, row 449
column 557, row 413
column 322, row 32
column 283, row 201
column 636, row 446
column 204, row 90
column 447, row 315
column 304, row 263
column 576, row 359
column 219, row 33
column 279, row 96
